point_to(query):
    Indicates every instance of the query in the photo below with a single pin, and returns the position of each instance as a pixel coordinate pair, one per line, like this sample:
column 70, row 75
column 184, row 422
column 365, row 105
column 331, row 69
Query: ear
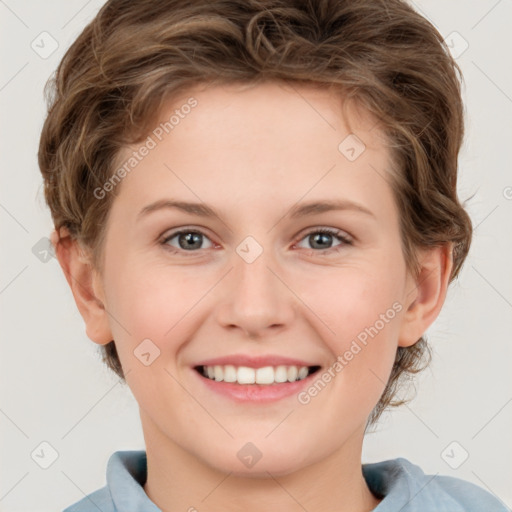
column 427, row 293
column 85, row 284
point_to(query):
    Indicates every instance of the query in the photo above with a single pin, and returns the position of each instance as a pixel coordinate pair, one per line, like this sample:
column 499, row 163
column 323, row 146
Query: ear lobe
column 426, row 298
column 85, row 285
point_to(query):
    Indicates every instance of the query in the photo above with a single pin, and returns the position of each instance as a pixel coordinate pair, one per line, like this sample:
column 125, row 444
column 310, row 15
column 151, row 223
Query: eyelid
column 344, row 237
column 168, row 235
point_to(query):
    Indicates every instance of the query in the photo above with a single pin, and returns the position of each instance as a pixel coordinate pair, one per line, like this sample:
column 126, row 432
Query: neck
column 178, row 480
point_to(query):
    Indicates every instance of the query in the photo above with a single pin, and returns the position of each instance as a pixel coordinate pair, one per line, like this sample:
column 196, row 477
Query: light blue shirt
column 402, row 485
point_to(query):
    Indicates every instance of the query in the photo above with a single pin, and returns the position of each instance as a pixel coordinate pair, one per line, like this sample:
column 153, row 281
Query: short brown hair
column 136, row 54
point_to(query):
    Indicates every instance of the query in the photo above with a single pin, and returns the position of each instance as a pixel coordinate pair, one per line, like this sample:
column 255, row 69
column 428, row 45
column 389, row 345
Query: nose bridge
column 253, row 277
column 255, row 285
column 256, row 298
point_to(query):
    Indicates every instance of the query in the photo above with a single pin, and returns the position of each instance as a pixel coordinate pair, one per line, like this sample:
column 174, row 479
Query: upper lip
column 255, row 361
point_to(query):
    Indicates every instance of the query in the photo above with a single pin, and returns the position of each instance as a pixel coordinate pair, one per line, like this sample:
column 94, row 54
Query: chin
column 250, row 460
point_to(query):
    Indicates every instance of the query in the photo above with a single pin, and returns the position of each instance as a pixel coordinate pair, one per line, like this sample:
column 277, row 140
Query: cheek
column 155, row 302
column 351, row 300
column 152, row 309
column 364, row 311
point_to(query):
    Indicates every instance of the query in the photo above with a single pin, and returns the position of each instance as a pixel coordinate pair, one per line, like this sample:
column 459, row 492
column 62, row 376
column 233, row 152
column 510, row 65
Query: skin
column 253, row 153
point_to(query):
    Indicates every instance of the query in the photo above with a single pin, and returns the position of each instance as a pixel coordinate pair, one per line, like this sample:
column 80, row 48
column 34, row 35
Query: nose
column 256, row 298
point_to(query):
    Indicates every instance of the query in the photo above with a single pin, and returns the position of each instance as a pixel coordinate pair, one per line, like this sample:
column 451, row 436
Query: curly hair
column 135, row 55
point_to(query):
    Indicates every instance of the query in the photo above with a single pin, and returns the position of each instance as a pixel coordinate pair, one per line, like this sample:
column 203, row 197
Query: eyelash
column 334, row 232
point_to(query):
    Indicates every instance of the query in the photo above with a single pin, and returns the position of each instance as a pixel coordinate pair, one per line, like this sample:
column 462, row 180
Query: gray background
column 54, row 388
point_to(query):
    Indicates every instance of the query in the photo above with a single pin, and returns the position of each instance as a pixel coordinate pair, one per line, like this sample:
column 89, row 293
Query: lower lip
column 258, row 393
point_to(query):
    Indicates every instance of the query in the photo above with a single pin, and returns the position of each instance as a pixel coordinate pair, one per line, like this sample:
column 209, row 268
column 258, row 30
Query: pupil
column 190, row 238
column 320, row 237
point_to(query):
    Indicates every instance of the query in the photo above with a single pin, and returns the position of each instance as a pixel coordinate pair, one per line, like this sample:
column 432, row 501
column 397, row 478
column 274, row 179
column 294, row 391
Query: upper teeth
column 246, row 375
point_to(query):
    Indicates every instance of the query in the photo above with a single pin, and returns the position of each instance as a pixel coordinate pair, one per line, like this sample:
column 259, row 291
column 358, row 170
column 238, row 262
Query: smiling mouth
column 265, row 375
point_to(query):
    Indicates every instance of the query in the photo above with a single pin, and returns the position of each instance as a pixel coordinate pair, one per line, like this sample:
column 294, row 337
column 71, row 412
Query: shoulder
column 401, row 483
column 469, row 496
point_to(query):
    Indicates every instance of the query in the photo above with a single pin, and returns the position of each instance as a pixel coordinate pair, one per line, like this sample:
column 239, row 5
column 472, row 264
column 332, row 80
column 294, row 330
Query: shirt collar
column 126, row 476
column 402, row 485
column 405, row 487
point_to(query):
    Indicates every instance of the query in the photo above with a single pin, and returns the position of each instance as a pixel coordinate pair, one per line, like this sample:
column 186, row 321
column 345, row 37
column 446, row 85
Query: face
column 255, row 283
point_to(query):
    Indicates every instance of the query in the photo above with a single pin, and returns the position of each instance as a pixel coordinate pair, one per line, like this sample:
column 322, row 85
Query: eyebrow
column 297, row 211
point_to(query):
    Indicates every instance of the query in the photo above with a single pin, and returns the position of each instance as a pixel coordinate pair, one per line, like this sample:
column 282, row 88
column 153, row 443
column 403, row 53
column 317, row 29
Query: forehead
column 272, row 111
column 242, row 143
